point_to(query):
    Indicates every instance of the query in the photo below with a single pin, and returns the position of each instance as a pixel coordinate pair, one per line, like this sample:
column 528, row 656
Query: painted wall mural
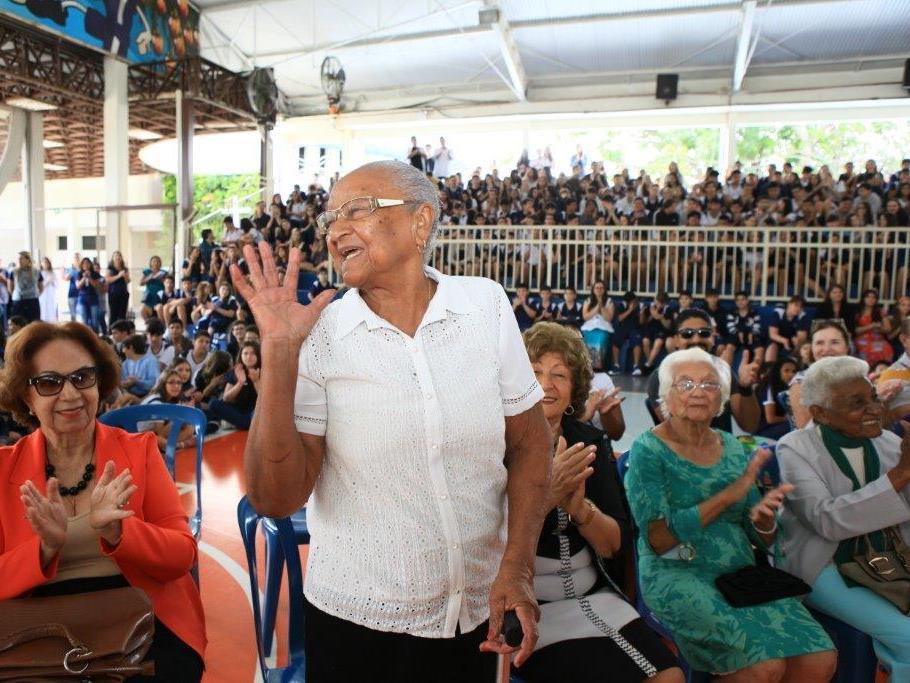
column 136, row 30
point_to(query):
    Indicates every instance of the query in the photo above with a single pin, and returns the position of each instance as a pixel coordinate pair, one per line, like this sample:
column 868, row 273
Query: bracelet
column 593, row 509
column 745, row 391
column 765, row 531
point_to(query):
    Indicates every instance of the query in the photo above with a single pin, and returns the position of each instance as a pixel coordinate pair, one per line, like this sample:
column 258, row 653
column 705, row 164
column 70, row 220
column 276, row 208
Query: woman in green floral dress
column 693, row 496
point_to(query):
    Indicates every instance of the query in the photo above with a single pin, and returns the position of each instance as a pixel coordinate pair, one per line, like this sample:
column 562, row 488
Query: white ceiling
column 435, row 54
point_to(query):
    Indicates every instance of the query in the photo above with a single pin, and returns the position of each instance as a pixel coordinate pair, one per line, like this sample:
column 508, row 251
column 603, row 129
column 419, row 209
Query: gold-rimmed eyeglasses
column 355, row 209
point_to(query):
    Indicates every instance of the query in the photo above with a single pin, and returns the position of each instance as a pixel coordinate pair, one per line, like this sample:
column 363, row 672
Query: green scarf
column 835, row 443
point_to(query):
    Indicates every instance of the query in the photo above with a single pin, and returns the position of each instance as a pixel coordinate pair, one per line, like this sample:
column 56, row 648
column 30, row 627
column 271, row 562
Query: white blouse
column 407, row 518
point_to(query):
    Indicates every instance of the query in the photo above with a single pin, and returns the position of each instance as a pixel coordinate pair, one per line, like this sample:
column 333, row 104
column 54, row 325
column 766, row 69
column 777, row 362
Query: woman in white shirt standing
column 417, row 418
column 48, row 297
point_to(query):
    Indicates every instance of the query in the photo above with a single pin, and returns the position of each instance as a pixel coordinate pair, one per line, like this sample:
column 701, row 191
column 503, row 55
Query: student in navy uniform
column 569, row 311
column 320, row 285
column 719, row 315
column 165, row 309
column 627, row 324
column 789, row 329
column 658, row 326
column 527, row 312
column 549, row 307
column 223, row 310
column 743, row 331
column 685, row 302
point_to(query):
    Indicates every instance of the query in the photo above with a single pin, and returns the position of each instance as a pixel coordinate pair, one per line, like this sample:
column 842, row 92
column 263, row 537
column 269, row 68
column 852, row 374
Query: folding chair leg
column 274, row 567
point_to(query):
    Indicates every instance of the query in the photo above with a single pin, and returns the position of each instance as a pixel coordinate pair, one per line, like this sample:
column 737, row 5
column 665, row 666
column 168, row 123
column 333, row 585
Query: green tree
column 210, row 193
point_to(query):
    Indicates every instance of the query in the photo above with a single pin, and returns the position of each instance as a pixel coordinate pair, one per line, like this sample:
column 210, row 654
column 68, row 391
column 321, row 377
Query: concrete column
column 727, row 144
column 12, row 153
column 266, row 162
column 33, row 180
column 116, row 150
column 185, row 124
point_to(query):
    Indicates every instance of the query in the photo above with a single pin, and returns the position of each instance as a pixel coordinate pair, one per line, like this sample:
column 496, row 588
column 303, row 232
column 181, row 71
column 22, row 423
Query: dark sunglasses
column 51, row 383
column 818, row 323
column 689, row 332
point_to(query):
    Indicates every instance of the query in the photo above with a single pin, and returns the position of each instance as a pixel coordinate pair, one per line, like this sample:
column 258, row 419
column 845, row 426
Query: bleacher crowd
column 710, row 361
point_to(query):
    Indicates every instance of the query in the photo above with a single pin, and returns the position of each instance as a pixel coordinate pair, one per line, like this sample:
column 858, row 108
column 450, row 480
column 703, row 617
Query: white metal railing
column 771, row 263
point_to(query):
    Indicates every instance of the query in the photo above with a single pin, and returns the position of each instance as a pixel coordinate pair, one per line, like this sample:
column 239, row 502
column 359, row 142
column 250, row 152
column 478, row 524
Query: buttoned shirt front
column 407, row 517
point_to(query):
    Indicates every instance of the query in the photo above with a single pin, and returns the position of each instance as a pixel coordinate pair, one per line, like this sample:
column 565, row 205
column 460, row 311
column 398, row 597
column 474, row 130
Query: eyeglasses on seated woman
column 85, row 507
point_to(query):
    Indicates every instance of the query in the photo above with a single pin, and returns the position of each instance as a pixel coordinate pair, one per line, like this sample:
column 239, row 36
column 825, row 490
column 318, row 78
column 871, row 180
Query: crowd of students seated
column 690, row 489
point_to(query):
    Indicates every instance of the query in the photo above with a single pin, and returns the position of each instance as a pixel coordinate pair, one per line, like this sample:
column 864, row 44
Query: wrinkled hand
column 888, row 389
column 571, row 466
column 46, row 515
column 764, row 513
column 275, row 308
column 513, row 589
column 748, row 371
column 109, row 497
column 746, row 481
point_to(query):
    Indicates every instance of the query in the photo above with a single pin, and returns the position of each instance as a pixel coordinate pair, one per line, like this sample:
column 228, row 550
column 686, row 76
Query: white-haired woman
column 693, row 496
column 851, row 479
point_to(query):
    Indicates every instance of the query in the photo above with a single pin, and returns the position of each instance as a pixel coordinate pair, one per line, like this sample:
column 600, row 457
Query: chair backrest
column 653, row 410
column 249, row 520
column 129, row 418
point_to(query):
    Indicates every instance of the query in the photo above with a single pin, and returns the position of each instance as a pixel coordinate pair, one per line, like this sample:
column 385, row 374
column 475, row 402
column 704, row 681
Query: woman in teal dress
column 693, row 496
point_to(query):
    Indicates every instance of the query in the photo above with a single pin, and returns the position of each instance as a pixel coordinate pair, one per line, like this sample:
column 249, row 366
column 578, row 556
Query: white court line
column 242, row 577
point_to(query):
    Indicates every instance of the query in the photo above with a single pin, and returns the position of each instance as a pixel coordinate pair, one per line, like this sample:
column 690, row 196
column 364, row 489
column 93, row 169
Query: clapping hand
column 764, row 513
column 747, row 479
column 888, row 389
column 571, row 466
column 240, row 373
column 46, row 515
column 109, row 497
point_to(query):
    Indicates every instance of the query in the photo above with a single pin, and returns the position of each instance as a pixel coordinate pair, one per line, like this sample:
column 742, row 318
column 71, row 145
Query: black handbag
column 758, row 584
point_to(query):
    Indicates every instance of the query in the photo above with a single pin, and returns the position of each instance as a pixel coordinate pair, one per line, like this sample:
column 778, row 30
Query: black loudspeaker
column 907, row 75
column 666, row 86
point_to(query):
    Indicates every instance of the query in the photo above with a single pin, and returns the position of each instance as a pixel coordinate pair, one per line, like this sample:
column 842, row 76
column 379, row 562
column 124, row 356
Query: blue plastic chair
column 129, row 418
column 274, row 566
column 856, row 660
column 284, row 538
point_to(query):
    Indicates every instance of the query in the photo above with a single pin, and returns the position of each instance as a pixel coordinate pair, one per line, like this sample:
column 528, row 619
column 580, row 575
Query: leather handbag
column 758, row 584
column 885, row 572
column 99, row 636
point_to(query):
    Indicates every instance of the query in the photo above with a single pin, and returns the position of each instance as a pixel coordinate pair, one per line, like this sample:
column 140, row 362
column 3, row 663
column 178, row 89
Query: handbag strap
column 38, row 632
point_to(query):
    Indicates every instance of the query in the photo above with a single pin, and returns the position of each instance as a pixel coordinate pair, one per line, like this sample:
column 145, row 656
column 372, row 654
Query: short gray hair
column 825, row 374
column 667, row 371
column 414, row 186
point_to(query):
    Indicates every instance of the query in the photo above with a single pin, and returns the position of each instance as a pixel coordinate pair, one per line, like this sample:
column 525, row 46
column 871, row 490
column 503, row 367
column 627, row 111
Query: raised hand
column 46, row 515
column 109, row 498
column 747, row 480
column 764, row 513
column 571, row 466
column 748, row 371
column 275, row 307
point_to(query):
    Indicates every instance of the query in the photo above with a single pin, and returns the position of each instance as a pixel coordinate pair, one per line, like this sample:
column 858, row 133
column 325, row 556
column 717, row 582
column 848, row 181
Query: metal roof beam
column 510, row 54
column 744, row 49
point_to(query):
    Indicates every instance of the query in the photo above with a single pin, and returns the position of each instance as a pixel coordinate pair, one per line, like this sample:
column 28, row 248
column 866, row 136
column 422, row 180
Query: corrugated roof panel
column 522, row 10
column 631, row 44
column 833, row 30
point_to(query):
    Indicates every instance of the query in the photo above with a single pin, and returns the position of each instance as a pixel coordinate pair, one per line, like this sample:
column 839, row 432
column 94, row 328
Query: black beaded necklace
column 87, row 476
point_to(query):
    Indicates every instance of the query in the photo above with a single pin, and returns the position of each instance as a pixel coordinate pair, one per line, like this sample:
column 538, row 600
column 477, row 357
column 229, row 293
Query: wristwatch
column 587, row 520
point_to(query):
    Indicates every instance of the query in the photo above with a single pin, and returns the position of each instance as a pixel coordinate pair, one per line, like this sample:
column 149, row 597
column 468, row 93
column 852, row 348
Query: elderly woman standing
column 588, row 631
column 851, row 479
column 416, row 418
column 693, row 495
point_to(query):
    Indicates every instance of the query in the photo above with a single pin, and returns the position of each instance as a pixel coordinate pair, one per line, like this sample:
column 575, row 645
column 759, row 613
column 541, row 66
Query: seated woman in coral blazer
column 85, row 507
